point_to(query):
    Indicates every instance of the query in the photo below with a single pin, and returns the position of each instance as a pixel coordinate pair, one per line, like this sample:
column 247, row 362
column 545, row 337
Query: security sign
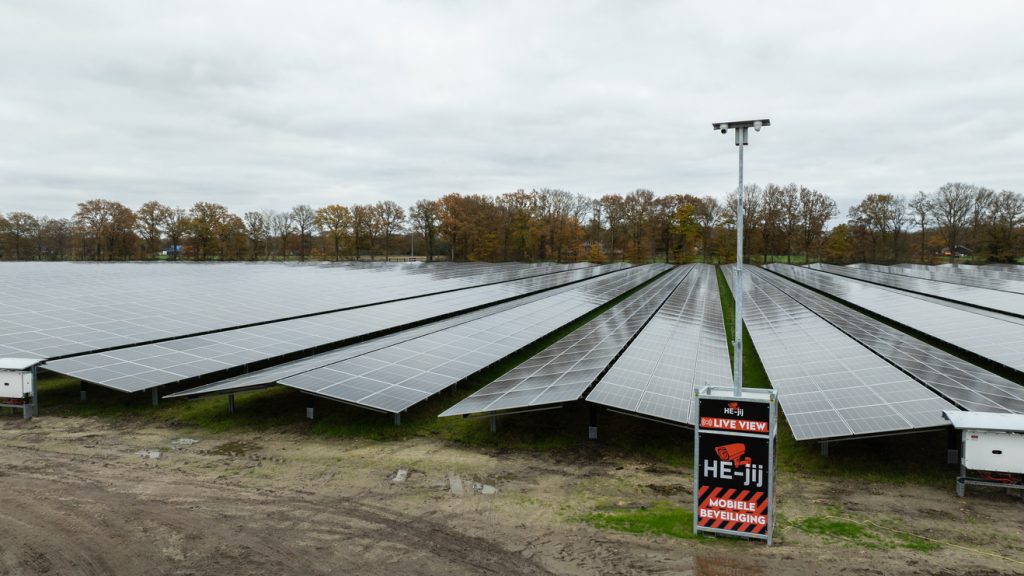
column 734, row 462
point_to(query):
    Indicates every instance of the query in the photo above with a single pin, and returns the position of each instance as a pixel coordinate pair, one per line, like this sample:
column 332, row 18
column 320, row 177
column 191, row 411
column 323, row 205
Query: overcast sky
column 266, row 105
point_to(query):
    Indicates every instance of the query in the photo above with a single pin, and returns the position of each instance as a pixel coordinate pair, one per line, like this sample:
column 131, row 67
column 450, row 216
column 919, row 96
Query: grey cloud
column 262, row 105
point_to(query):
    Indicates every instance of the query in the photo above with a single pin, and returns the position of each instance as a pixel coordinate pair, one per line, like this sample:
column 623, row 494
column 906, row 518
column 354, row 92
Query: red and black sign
column 734, row 416
column 734, row 463
column 733, row 473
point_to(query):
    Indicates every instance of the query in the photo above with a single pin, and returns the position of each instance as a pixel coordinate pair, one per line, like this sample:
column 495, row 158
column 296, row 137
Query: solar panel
column 990, row 335
column 147, row 366
column 565, row 370
column 1008, row 302
column 58, row 309
column 266, row 377
column 988, row 271
column 829, row 385
column 683, row 347
column 963, row 383
column 400, row 376
column 994, row 281
column 1009, row 271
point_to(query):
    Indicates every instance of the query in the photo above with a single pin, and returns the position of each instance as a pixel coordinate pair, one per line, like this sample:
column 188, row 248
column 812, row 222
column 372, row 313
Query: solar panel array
column 829, row 385
column 57, row 309
column 966, row 385
column 565, row 370
column 142, row 367
column 953, row 276
column 265, row 377
column 978, row 331
column 1014, row 271
column 997, row 300
column 398, row 377
column 682, row 348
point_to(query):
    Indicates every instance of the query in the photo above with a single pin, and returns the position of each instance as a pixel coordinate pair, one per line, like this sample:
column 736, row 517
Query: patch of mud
column 670, row 489
column 233, row 448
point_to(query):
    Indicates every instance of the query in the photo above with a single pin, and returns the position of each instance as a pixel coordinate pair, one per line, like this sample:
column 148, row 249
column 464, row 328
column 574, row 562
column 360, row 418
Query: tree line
column 546, row 224
column 956, row 220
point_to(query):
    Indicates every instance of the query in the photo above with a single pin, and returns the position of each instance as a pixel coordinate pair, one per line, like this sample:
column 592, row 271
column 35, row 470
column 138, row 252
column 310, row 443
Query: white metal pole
column 741, row 139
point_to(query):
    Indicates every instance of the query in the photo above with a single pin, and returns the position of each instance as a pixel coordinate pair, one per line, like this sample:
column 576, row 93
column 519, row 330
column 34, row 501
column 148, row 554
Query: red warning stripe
column 714, row 494
column 725, row 496
column 742, row 498
column 757, row 528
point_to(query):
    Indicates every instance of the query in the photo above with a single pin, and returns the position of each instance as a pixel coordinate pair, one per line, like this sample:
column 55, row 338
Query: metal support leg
column 961, row 488
column 156, row 396
column 824, row 448
column 32, row 409
column 494, row 423
column 592, row 429
column 231, row 404
column 82, row 388
column 398, row 418
column 310, row 407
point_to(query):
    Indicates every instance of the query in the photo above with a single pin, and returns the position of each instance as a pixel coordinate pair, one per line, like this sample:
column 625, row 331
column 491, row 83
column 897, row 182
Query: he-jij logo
column 732, row 465
column 733, row 409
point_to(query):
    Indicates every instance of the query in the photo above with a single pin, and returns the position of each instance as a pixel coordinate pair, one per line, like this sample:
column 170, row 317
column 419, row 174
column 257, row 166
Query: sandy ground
column 76, row 498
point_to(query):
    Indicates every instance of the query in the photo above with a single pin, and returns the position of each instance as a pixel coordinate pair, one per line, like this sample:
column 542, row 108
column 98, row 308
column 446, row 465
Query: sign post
column 734, row 462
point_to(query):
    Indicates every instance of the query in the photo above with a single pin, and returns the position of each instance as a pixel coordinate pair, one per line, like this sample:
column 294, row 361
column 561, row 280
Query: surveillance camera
column 757, row 126
column 724, row 129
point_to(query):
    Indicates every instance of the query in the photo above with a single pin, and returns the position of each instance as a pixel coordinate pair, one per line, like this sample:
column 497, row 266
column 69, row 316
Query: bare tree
column 425, row 217
column 282, row 226
column 981, row 207
column 257, row 229
column 1006, row 215
column 176, row 228
column 304, row 218
column 898, row 219
column 708, row 213
column 150, row 222
column 951, row 207
column 389, row 217
column 638, row 208
column 920, row 209
column 816, row 209
column 791, row 217
column 54, row 238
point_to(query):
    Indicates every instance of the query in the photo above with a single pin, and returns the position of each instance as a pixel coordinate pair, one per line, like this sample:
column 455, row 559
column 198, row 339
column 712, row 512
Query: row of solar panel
column 988, row 298
column 653, row 349
column 395, row 372
column 146, row 366
column 683, row 348
column 947, row 379
column 990, row 335
column 966, row 385
column 55, row 310
column 564, row 371
column 994, row 280
column 828, row 384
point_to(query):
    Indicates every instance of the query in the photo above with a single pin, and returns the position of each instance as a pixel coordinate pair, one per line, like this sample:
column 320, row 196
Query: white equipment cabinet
column 991, row 449
column 14, row 384
column 18, row 385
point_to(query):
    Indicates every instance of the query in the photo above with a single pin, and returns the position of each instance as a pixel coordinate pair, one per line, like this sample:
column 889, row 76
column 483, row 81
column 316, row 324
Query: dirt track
column 75, row 498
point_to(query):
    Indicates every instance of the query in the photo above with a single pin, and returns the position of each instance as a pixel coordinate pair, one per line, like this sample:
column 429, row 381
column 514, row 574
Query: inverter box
column 15, row 384
column 994, row 451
